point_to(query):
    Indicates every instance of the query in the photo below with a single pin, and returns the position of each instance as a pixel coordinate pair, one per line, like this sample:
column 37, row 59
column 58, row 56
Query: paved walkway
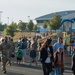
column 26, row 69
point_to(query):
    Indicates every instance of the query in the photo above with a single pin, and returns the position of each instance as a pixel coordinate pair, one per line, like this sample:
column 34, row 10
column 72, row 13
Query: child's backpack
column 19, row 53
column 52, row 73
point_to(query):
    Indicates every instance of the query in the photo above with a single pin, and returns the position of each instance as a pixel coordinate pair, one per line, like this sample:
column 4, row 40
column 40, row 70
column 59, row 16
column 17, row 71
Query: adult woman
column 23, row 47
column 59, row 61
column 46, row 56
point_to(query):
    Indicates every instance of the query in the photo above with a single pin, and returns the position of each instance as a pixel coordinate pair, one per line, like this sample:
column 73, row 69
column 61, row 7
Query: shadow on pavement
column 67, row 68
column 68, row 72
column 29, row 66
column 11, row 73
column 38, row 66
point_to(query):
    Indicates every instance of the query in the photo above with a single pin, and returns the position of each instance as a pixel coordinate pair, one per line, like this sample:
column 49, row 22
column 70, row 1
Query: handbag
column 52, row 73
column 58, row 63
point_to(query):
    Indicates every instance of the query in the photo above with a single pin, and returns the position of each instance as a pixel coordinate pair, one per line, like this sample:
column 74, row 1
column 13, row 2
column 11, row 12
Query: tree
column 35, row 28
column 45, row 25
column 30, row 26
column 10, row 30
column 22, row 26
column 55, row 22
column 2, row 26
column 14, row 25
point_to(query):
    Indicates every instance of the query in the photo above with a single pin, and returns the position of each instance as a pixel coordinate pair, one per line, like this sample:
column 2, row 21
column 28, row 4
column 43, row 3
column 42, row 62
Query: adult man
column 58, row 44
column 5, row 50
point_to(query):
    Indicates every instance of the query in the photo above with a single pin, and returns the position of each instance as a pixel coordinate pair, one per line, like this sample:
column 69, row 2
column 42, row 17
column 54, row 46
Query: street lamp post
column 28, row 18
column 0, row 15
column 7, row 20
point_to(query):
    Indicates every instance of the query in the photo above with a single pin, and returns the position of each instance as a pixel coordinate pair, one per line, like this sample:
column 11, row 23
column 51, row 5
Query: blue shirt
column 57, row 45
column 23, row 45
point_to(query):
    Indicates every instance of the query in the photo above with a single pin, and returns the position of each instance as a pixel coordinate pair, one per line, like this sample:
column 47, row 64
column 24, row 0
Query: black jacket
column 73, row 62
column 44, row 54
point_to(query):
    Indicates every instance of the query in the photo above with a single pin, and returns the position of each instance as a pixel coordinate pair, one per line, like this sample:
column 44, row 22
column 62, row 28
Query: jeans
column 58, row 70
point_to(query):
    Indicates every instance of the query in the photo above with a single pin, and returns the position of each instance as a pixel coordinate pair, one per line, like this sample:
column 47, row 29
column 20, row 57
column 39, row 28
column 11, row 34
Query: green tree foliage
column 22, row 26
column 55, row 22
column 30, row 25
column 10, row 30
column 2, row 26
column 35, row 28
column 45, row 25
column 5, row 25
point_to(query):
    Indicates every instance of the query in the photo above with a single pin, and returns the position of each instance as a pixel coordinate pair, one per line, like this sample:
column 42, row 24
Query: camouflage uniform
column 5, row 50
column 12, row 50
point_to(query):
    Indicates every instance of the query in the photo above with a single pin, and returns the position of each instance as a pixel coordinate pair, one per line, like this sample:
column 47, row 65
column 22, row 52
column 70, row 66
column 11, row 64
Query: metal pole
column 7, row 20
column 28, row 18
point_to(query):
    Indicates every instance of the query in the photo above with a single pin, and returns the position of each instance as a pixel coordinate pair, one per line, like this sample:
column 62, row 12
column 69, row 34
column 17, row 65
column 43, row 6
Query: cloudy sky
column 20, row 9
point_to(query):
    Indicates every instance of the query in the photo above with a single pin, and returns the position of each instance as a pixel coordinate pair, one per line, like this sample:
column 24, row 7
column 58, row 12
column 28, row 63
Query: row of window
column 41, row 21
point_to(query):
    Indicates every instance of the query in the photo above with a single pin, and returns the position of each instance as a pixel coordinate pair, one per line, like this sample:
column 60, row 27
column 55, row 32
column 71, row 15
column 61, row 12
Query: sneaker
column 4, row 72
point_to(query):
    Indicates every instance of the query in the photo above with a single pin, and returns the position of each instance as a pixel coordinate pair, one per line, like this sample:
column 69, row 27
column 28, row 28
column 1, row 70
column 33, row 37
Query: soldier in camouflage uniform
column 5, row 50
column 12, row 51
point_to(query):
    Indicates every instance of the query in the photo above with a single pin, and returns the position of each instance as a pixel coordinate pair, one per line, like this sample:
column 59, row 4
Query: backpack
column 19, row 53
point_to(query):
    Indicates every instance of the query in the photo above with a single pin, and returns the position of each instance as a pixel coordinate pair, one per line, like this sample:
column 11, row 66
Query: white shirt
column 48, row 58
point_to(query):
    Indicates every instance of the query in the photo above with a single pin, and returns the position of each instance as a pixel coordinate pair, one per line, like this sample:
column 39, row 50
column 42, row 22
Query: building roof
column 49, row 16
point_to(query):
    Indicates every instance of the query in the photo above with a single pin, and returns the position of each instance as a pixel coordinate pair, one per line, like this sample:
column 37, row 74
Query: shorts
column 33, row 59
column 19, row 58
column 12, row 55
column 24, row 52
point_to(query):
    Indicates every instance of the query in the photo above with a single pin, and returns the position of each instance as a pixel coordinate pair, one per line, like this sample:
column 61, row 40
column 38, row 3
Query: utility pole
column 7, row 20
column 0, row 15
column 28, row 18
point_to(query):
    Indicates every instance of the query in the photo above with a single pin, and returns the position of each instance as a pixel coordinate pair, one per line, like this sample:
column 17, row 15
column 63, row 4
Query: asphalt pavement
column 26, row 69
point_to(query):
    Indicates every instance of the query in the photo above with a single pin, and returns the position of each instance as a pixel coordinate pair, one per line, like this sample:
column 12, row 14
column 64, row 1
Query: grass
column 28, row 34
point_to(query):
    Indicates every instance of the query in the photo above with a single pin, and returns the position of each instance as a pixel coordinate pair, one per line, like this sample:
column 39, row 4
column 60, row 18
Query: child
column 59, row 61
column 73, row 62
column 19, row 55
column 33, row 55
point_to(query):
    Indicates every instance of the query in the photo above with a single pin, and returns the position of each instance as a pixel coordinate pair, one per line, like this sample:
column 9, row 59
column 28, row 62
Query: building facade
column 64, row 15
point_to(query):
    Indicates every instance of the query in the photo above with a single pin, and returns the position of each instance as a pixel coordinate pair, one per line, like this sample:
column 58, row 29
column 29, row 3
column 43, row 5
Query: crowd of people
column 10, row 50
column 52, row 57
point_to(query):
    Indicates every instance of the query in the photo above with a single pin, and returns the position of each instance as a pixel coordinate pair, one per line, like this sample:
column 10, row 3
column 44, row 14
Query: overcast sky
column 20, row 9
